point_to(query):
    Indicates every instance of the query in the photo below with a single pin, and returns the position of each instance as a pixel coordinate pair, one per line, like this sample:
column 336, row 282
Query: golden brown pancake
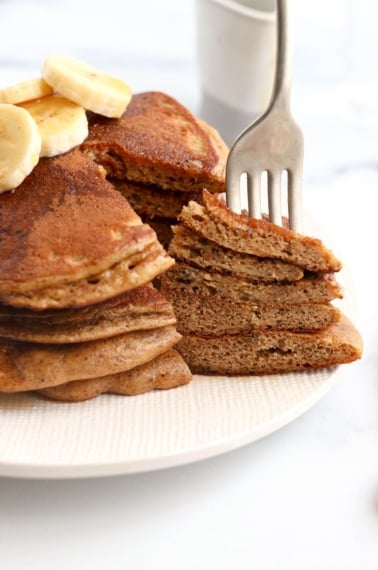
column 158, row 141
column 271, row 352
column 190, row 247
column 214, row 221
column 27, row 366
column 163, row 372
column 142, row 308
column 64, row 225
column 206, row 314
column 313, row 288
column 129, row 273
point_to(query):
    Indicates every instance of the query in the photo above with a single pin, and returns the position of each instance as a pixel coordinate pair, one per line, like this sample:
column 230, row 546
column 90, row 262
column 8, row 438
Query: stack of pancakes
column 254, row 298
column 159, row 156
column 79, row 315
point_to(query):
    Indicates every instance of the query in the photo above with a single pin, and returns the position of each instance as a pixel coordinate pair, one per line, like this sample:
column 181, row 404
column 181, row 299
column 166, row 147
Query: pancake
column 209, row 315
column 190, row 247
column 123, row 276
column 163, row 372
column 66, row 225
column 271, row 352
column 214, row 221
column 27, row 366
column 158, row 141
column 142, row 308
column 313, row 288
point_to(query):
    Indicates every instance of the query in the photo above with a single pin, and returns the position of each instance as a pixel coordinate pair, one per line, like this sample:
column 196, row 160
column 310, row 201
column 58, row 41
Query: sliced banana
column 25, row 91
column 62, row 124
column 20, row 145
column 86, row 85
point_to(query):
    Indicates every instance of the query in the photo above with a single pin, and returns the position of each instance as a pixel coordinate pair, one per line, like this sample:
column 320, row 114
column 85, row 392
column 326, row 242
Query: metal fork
column 272, row 144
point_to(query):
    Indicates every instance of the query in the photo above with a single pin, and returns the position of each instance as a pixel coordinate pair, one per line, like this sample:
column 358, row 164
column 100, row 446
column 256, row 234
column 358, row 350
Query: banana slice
column 86, row 85
column 20, row 144
column 62, row 124
column 25, row 91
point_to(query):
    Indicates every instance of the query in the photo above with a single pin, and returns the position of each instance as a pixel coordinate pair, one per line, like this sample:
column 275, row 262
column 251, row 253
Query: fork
column 272, row 144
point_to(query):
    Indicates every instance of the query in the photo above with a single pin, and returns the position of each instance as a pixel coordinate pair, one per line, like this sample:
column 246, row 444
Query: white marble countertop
column 305, row 497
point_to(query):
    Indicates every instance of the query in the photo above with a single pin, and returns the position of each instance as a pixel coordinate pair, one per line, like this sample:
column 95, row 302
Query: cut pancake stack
column 159, row 156
column 82, row 242
column 79, row 315
column 254, row 298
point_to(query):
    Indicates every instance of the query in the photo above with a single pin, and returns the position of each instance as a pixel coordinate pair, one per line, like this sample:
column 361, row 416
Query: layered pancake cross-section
column 251, row 297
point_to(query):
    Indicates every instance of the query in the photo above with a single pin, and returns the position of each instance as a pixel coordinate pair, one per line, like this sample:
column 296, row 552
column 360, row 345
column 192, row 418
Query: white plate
column 113, row 434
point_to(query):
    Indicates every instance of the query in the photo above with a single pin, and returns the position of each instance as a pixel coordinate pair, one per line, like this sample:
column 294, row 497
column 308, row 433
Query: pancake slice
column 143, row 308
column 25, row 366
column 313, row 288
column 159, row 156
column 129, row 273
column 66, row 228
column 182, row 154
column 272, row 352
column 240, row 233
column 163, row 372
column 190, row 247
column 203, row 316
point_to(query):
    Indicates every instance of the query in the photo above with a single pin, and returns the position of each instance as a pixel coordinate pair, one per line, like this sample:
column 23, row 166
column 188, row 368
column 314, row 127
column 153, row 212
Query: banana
column 86, row 85
column 62, row 124
column 20, row 144
column 25, row 91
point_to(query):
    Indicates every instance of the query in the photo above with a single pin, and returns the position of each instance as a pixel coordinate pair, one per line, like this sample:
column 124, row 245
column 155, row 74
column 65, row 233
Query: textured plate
column 114, row 435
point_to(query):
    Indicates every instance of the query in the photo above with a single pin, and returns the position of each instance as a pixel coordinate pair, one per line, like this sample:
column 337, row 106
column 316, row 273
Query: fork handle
column 282, row 84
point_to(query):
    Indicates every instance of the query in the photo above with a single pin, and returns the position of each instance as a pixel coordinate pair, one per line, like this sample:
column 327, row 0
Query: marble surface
column 305, row 497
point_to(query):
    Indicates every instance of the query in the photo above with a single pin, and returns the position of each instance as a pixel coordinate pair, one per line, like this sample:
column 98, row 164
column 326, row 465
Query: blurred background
column 152, row 46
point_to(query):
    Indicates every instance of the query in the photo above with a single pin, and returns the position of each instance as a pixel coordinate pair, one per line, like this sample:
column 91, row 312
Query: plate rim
column 41, row 470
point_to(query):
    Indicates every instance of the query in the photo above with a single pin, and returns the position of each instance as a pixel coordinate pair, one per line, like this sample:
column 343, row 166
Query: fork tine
column 294, row 200
column 254, row 194
column 274, row 197
column 233, row 187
